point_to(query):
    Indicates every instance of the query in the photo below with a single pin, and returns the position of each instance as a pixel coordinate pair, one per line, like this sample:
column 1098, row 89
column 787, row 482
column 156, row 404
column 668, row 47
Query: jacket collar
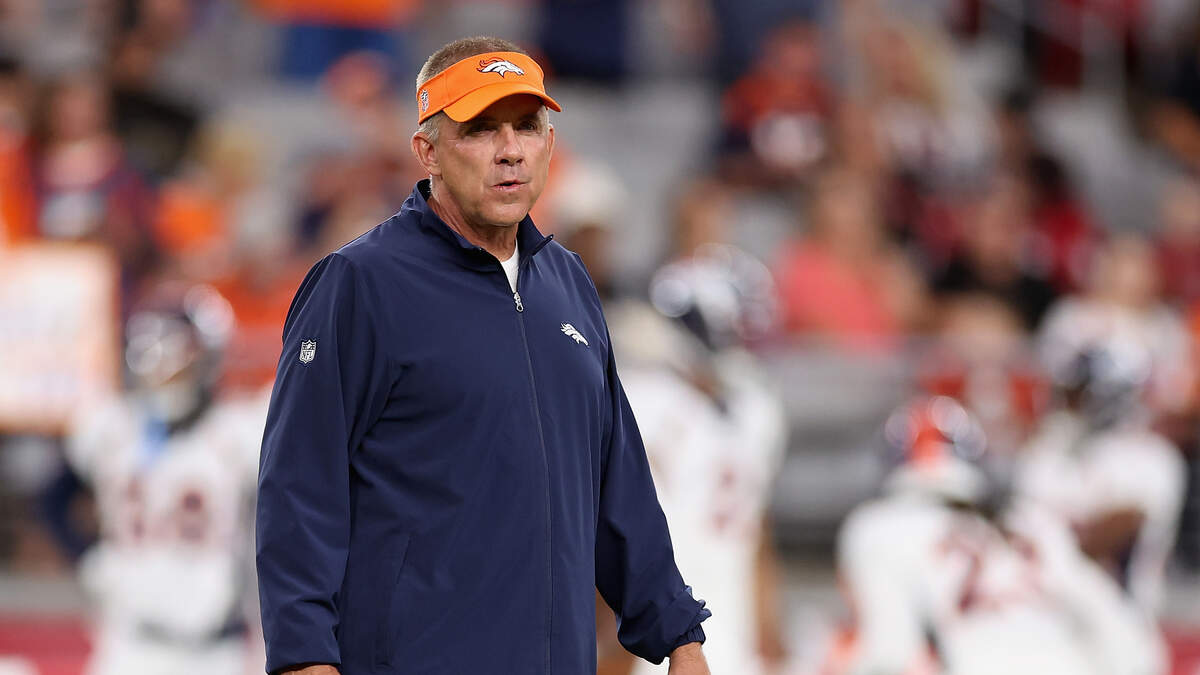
column 529, row 239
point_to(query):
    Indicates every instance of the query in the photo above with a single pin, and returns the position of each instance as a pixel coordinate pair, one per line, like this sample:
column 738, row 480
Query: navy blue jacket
column 449, row 469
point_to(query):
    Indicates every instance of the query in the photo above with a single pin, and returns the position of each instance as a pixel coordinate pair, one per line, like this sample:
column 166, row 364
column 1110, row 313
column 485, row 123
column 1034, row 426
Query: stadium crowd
column 941, row 185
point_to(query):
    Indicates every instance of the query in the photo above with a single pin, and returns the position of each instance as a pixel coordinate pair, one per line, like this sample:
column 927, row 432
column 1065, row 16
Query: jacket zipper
column 537, row 416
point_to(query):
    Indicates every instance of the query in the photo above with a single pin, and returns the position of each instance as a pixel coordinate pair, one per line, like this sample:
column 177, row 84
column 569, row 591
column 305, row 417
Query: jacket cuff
column 685, row 614
column 297, row 666
column 297, row 646
column 694, row 635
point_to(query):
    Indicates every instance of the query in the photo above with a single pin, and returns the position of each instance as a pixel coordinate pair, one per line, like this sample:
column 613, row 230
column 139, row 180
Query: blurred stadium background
column 926, row 179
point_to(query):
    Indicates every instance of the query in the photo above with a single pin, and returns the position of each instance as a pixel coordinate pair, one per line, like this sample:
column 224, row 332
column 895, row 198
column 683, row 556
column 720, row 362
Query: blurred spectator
column 854, row 142
column 980, row 358
column 1123, row 303
column 1175, row 116
column 344, row 194
column 933, row 138
column 316, row 33
column 327, row 179
column 155, row 129
column 741, row 28
column 350, row 188
column 1016, row 137
column 691, row 33
column 905, row 90
column 380, row 123
column 930, row 129
column 1063, row 230
column 17, row 208
column 994, row 259
column 359, row 209
column 776, row 117
column 359, row 85
column 843, row 280
column 588, row 201
column 1179, row 241
column 922, row 219
column 86, row 190
column 219, row 199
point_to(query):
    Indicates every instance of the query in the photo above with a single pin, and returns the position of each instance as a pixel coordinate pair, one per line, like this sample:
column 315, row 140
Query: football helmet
column 1105, row 382
column 724, row 296
column 935, row 446
column 174, row 342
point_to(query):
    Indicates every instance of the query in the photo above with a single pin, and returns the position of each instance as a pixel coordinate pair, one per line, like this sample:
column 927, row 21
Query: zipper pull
column 517, row 300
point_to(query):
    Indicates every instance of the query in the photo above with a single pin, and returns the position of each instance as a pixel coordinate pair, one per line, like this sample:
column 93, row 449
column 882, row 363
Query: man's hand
column 688, row 660
column 312, row 670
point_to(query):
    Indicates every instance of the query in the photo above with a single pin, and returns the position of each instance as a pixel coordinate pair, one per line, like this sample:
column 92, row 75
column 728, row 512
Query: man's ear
column 426, row 154
column 551, row 130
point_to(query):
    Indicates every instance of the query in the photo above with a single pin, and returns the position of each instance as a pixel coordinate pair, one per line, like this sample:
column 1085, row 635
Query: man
column 173, row 474
column 715, row 433
column 450, row 465
column 1097, row 463
column 939, row 584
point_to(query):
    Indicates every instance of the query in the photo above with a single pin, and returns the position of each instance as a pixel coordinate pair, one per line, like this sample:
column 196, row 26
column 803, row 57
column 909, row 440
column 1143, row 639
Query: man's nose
column 510, row 151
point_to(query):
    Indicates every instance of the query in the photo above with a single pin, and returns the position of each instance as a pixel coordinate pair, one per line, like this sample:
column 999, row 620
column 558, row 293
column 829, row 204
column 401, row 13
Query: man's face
column 494, row 165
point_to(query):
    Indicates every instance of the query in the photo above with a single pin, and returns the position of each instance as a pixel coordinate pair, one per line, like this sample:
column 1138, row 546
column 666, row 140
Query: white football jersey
column 1081, row 476
column 713, row 464
column 173, row 565
column 921, row 574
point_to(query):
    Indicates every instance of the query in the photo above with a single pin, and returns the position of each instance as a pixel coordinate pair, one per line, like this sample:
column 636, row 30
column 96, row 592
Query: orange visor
column 464, row 89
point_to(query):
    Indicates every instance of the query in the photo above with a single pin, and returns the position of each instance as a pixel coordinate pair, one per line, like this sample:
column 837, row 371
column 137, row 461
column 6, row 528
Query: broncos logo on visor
column 499, row 66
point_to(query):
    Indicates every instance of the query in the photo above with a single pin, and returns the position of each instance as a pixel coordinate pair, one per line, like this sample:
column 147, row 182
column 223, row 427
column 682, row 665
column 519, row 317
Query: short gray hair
column 432, row 126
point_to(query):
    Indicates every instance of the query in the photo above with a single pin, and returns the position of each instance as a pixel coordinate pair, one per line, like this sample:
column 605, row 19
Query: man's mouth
column 509, row 185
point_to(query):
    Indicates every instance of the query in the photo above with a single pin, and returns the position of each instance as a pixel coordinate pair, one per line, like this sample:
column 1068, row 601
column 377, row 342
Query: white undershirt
column 510, row 266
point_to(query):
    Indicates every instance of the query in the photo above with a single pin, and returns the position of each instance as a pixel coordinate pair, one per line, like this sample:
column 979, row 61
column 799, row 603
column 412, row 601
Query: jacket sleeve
column 635, row 564
column 330, row 386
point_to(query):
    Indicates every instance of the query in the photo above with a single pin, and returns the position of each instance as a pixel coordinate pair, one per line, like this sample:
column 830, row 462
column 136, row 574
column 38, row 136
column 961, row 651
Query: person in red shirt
column 842, row 280
column 776, row 117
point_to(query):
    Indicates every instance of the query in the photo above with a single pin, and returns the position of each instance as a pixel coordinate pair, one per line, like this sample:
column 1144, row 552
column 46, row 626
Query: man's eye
column 529, row 126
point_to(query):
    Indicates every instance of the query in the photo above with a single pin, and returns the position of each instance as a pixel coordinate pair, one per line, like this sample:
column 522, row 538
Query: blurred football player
column 1096, row 463
column 173, row 472
column 1124, row 303
column 714, row 432
column 939, row 582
